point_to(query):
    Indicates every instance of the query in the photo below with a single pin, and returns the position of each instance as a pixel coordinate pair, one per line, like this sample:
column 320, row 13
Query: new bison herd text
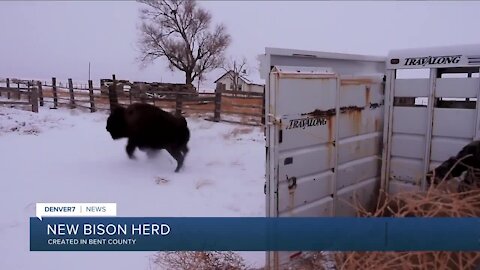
column 151, row 129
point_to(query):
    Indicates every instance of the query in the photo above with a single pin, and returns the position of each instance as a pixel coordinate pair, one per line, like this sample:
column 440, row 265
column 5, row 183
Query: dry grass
column 199, row 261
column 443, row 200
column 203, row 183
column 436, row 202
column 238, row 131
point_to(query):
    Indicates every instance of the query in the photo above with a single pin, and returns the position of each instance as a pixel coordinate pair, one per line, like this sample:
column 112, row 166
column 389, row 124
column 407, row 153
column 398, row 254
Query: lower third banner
column 254, row 234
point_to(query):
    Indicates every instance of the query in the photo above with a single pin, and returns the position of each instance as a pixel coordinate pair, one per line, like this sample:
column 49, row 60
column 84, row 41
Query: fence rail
column 11, row 95
column 248, row 106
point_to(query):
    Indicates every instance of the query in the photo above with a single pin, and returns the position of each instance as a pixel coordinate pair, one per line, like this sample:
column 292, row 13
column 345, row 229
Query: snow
column 67, row 156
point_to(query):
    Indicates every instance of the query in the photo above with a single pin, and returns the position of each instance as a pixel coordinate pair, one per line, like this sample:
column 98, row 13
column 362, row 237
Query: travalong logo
column 432, row 60
column 306, row 122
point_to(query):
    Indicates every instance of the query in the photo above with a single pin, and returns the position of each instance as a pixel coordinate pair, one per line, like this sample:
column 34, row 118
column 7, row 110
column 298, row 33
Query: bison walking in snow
column 150, row 129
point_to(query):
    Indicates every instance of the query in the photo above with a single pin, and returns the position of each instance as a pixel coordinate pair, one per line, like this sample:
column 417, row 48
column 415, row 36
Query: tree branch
column 179, row 31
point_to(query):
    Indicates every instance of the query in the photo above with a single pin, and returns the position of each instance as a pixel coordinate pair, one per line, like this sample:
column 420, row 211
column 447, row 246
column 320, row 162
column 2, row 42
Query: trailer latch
column 292, row 182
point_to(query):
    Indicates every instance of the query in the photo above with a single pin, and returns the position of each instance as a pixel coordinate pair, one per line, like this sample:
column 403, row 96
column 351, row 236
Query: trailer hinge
column 272, row 120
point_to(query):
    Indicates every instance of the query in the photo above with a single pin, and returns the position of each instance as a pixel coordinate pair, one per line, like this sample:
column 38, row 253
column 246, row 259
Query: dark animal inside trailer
column 466, row 160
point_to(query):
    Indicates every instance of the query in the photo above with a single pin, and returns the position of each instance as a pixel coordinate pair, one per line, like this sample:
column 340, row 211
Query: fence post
column 132, row 89
column 218, row 102
column 29, row 94
column 143, row 93
column 8, row 86
column 178, row 104
column 72, row 95
column 18, row 91
column 263, row 106
column 33, row 97
column 40, row 92
column 90, row 93
column 112, row 93
column 54, row 89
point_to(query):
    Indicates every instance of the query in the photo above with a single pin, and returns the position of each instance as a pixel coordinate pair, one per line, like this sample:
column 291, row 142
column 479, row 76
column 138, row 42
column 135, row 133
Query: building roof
column 250, row 79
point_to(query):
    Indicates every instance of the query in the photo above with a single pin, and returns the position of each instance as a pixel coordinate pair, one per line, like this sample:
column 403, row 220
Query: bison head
column 450, row 167
column 116, row 123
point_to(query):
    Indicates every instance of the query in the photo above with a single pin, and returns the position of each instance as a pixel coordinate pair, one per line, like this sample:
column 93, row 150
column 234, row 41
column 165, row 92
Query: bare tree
column 236, row 70
column 180, row 32
column 201, row 78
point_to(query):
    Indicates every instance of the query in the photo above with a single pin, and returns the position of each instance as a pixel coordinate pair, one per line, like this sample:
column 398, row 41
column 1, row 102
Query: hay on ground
column 443, row 200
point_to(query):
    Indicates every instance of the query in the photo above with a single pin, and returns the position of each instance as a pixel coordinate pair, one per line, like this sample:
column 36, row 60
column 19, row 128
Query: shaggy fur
column 469, row 157
column 150, row 129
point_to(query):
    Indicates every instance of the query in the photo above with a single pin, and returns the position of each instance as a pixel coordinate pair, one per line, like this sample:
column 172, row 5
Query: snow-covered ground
column 68, row 156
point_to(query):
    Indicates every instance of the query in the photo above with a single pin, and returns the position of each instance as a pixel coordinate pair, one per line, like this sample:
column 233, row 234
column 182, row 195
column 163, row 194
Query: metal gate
column 421, row 135
column 324, row 134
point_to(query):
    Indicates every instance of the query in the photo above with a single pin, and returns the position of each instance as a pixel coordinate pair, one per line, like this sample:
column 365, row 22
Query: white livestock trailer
column 420, row 135
column 340, row 127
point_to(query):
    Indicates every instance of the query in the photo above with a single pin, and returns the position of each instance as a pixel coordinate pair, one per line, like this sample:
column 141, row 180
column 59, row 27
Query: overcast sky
column 40, row 40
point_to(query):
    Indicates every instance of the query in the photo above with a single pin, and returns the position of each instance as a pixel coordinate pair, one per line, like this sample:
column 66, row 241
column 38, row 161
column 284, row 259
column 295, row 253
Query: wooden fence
column 245, row 107
column 11, row 94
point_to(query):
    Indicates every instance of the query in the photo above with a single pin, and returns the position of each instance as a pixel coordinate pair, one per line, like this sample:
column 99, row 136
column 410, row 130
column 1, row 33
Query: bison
column 467, row 160
column 151, row 129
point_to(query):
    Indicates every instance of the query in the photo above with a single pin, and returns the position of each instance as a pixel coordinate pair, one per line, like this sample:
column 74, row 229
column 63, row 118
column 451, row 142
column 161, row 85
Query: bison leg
column 184, row 150
column 130, row 149
column 177, row 155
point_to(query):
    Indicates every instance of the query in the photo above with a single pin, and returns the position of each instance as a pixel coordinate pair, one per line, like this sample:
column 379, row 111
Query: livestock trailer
column 420, row 135
column 341, row 127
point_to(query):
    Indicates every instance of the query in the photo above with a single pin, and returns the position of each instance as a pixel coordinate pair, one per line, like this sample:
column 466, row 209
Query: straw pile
column 447, row 199
column 436, row 202
column 197, row 260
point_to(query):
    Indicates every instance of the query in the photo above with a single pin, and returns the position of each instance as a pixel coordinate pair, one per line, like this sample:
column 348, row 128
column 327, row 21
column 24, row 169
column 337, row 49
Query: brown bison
column 151, row 129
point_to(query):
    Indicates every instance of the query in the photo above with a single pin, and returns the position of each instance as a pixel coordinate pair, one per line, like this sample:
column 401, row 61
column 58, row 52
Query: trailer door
column 324, row 134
